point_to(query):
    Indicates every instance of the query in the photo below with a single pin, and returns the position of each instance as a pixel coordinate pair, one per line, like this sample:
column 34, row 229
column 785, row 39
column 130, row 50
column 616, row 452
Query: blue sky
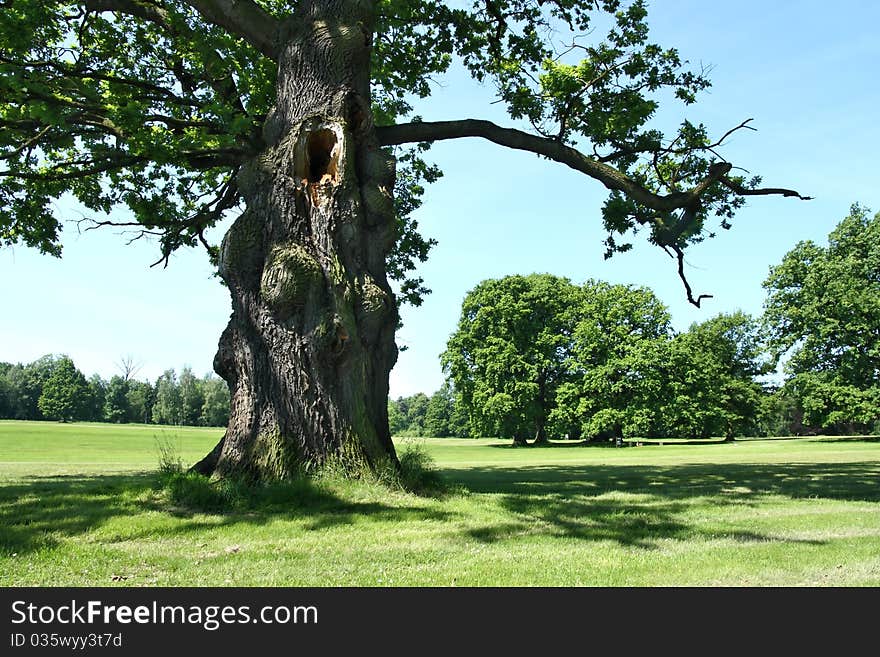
column 806, row 74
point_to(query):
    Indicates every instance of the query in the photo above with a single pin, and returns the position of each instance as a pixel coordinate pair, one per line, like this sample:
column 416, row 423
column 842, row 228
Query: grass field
column 83, row 504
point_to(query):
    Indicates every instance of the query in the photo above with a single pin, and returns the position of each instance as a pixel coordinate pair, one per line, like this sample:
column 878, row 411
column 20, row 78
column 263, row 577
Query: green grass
column 85, row 505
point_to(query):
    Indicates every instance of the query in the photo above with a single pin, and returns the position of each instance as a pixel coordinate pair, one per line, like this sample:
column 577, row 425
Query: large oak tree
column 823, row 313
column 296, row 115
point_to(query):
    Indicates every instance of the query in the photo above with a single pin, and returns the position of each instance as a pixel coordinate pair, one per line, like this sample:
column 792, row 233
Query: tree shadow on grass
column 579, row 501
column 38, row 512
column 855, row 481
column 630, row 524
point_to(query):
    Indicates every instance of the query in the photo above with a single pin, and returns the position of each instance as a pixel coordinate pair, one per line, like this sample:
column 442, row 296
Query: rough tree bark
column 540, row 422
column 310, row 342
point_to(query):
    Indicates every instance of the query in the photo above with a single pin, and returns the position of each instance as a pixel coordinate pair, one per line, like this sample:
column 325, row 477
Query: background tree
column 140, row 401
column 17, row 378
column 507, row 354
column 413, row 410
column 183, row 110
column 614, row 326
column 33, row 377
column 445, row 416
column 192, row 399
column 215, row 409
column 167, row 409
column 8, row 392
column 439, row 413
column 64, row 393
column 697, row 384
column 823, row 314
column 396, row 419
column 712, row 389
column 97, row 398
column 116, row 406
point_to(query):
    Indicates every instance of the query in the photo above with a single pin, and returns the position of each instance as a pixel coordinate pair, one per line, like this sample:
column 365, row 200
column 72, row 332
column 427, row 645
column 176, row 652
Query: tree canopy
column 823, row 316
column 64, row 392
column 155, row 106
column 539, row 356
column 507, row 357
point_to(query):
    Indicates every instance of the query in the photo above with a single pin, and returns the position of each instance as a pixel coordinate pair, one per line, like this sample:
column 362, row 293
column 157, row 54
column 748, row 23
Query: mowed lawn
column 83, row 504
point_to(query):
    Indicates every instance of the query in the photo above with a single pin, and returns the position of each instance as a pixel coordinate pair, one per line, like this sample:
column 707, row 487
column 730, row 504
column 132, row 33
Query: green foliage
column 64, row 392
column 607, row 360
column 116, row 400
column 696, row 384
column 408, row 415
column 396, row 419
column 30, row 380
column 167, row 409
column 197, row 492
column 618, row 336
column 412, row 175
column 139, row 400
column 215, row 411
column 823, row 315
column 22, row 386
column 121, row 111
column 97, row 397
column 7, row 392
column 170, row 461
column 446, row 416
column 507, row 355
column 601, row 94
column 418, row 472
column 152, row 109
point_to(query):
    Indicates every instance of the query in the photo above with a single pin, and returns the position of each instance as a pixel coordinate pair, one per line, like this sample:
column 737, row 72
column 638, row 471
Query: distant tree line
column 52, row 388
column 439, row 416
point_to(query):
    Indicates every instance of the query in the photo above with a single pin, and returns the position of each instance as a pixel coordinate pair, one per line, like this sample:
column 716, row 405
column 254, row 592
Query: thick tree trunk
column 541, row 434
column 540, row 421
column 310, row 343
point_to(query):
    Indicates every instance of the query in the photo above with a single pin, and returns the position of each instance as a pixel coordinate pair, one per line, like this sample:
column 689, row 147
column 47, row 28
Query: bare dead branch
column 744, row 124
column 128, row 367
column 766, row 191
column 679, row 255
column 671, row 150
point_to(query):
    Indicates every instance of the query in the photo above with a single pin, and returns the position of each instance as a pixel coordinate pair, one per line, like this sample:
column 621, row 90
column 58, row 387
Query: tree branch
column 766, row 191
column 196, row 159
column 671, row 150
column 243, row 18
column 68, row 71
column 689, row 201
column 145, row 10
column 551, row 149
column 223, row 87
column 679, row 255
column 554, row 150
